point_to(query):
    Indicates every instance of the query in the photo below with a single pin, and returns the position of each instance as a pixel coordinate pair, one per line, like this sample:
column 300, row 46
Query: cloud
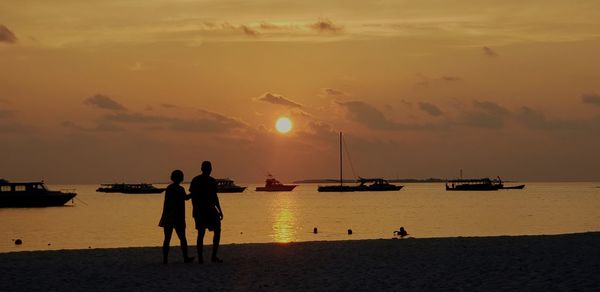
column 279, row 99
column 249, row 31
column 451, row 78
column 203, row 121
column 487, row 114
column 103, row 102
column 7, row 36
column 489, row 52
column 430, row 109
column 536, row 119
column 100, row 127
column 371, row 117
column 269, row 26
column 333, row 92
column 325, row 25
column 591, row 98
column 6, row 113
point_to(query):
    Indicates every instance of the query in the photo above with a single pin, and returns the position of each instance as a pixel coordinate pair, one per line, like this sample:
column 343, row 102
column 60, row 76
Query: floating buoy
column 49, row 244
column 18, row 242
column 349, row 231
column 315, row 230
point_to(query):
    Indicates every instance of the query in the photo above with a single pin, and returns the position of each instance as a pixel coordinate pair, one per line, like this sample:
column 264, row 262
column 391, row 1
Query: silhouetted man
column 207, row 210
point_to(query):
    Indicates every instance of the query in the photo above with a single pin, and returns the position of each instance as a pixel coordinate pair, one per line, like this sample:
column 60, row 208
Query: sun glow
column 283, row 125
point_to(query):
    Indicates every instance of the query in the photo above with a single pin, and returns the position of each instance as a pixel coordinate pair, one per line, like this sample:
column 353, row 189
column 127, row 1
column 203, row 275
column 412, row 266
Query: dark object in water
column 402, row 232
column 225, row 185
column 315, row 230
column 130, row 188
column 519, row 187
column 482, row 184
column 349, row 231
column 31, row 194
column 18, row 242
column 273, row 185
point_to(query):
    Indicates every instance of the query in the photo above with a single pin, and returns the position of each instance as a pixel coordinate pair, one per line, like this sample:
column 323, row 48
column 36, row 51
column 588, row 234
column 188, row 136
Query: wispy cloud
column 487, row 114
column 279, row 99
column 325, row 25
column 487, row 51
column 6, row 35
column 373, row 118
column 430, row 108
column 103, row 102
column 591, row 98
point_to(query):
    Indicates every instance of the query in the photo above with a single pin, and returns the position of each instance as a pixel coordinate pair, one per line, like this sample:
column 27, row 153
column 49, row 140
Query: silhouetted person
column 402, row 232
column 207, row 210
column 173, row 216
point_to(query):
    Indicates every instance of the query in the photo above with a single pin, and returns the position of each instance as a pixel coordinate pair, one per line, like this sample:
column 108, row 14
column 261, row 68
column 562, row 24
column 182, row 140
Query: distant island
column 398, row 180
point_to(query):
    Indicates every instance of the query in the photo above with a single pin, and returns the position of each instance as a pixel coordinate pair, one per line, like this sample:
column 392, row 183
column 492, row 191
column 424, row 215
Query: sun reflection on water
column 284, row 219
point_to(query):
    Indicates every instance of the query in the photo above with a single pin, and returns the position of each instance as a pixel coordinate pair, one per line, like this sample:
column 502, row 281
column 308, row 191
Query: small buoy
column 349, row 231
column 89, row 247
column 49, row 244
column 241, row 232
column 315, row 230
column 18, row 242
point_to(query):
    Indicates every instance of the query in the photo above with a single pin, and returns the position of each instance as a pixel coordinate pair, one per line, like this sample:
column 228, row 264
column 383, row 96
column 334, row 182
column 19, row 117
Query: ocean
column 100, row 220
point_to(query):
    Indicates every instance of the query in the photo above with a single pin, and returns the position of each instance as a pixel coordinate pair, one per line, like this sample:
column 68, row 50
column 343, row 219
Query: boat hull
column 35, row 200
column 474, row 188
column 386, row 188
column 278, row 188
column 519, row 187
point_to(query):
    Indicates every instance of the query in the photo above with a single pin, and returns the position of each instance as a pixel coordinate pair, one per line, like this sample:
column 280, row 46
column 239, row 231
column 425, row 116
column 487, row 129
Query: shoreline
column 531, row 262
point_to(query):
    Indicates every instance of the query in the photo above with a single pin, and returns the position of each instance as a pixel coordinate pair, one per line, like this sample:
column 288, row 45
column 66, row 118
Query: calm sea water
column 99, row 220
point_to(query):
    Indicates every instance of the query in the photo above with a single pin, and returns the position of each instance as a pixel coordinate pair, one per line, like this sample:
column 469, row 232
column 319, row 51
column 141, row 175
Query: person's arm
column 218, row 206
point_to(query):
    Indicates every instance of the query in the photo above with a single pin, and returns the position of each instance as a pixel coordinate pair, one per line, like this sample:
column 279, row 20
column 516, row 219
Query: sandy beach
column 555, row 262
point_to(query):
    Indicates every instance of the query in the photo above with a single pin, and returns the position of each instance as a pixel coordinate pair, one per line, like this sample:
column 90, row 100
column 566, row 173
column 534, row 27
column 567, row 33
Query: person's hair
column 206, row 166
column 177, row 176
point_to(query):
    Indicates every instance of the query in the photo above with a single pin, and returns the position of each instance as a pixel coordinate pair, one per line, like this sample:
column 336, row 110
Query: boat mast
column 341, row 180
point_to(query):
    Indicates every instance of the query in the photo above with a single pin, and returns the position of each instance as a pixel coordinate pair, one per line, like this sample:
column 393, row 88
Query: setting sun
column 283, row 125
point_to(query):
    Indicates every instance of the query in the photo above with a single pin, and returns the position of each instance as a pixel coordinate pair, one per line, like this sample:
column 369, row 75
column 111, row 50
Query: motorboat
column 31, row 194
column 142, row 188
column 273, row 185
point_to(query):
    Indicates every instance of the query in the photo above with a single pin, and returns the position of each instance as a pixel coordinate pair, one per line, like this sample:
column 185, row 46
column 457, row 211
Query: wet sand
column 533, row 263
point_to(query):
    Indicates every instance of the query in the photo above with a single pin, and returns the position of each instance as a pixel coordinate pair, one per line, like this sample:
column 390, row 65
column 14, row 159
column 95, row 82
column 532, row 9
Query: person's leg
column 168, row 233
column 200, row 242
column 184, row 246
column 215, row 247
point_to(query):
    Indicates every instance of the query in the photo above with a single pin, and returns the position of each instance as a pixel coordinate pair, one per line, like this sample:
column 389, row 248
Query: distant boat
column 378, row 185
column 130, row 188
column 273, row 185
column 225, row 185
column 31, row 194
column 482, row 184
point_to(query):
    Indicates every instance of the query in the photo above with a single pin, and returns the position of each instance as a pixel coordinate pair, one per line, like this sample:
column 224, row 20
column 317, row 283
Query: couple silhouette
column 206, row 211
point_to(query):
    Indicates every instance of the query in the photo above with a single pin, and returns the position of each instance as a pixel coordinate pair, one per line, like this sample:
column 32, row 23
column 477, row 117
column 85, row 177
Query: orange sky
column 107, row 91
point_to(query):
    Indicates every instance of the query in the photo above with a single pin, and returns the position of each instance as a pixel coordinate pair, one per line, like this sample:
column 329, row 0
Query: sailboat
column 378, row 184
column 341, row 187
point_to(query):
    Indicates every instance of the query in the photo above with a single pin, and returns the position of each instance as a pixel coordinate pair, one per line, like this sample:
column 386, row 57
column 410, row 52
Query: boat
column 377, row 185
column 341, row 187
column 519, row 187
column 273, row 185
column 482, row 184
column 124, row 188
column 225, row 185
column 31, row 194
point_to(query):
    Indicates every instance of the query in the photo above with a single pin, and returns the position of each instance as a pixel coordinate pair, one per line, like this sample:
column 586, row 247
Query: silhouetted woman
column 173, row 216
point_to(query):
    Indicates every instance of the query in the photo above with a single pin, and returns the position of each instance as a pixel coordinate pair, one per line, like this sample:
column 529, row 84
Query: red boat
column 273, row 185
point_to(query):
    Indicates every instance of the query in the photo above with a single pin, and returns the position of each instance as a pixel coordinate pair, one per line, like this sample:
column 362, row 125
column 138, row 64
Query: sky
column 110, row 91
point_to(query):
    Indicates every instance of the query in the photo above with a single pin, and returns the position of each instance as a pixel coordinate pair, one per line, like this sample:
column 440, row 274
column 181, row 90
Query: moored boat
column 31, row 194
column 273, row 185
column 482, row 184
column 124, row 188
column 519, row 187
column 225, row 185
column 377, row 185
